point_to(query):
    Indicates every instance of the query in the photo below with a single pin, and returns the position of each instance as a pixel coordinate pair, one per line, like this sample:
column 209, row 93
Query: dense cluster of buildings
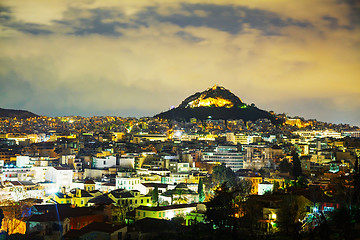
column 81, row 176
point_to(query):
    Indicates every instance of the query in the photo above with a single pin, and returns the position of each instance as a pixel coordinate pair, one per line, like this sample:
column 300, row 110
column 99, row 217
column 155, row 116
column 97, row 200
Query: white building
column 67, row 159
column 127, row 162
column 227, row 155
column 101, row 163
column 62, row 177
column 23, row 161
column 238, row 138
column 38, row 173
column 15, row 174
column 179, row 167
column 264, row 188
column 128, row 183
column 318, row 134
column 183, row 167
column 258, row 156
column 19, row 190
column 355, row 134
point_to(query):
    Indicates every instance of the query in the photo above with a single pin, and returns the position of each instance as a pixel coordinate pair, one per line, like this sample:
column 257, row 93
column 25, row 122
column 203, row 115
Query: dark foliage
column 220, row 209
column 285, row 166
column 201, row 191
column 222, row 174
column 21, row 114
column 155, row 196
column 297, row 172
column 216, row 113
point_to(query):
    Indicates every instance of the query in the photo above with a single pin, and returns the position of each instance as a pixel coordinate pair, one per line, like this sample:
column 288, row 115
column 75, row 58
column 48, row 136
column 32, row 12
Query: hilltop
column 12, row 113
column 215, row 103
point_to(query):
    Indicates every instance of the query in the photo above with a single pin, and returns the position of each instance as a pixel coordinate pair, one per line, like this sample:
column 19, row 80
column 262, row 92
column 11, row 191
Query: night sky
column 138, row 58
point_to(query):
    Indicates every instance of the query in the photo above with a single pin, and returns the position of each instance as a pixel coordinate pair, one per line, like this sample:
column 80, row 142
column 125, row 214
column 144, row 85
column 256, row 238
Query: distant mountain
column 215, row 103
column 16, row 113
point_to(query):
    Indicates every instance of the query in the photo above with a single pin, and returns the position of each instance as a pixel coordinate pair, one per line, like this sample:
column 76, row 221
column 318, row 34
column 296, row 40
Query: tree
column 285, row 166
column 356, row 167
column 180, row 197
column 1, row 217
column 155, row 196
column 345, row 220
column 302, row 182
column 220, row 209
column 242, row 188
column 292, row 209
column 253, row 212
column 201, row 190
column 241, row 191
column 276, row 186
column 222, row 174
column 297, row 172
column 118, row 214
column 13, row 215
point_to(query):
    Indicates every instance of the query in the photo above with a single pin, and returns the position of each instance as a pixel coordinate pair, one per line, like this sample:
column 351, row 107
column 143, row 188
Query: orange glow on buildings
column 210, row 102
column 298, row 123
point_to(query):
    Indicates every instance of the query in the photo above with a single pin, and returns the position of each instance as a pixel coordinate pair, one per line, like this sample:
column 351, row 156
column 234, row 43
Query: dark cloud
column 227, row 18
column 95, row 23
column 332, row 22
column 5, row 14
column 34, row 29
column 188, row 36
column 109, row 22
column 7, row 20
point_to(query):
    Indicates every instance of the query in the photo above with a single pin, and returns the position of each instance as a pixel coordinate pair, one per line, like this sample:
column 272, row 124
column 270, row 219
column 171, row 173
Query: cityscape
column 127, row 178
column 177, row 120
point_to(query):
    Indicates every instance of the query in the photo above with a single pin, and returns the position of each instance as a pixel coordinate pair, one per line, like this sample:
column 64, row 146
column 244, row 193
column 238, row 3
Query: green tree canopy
column 155, row 196
column 285, row 166
column 201, row 190
column 297, row 172
column 222, row 174
column 220, row 209
column 292, row 209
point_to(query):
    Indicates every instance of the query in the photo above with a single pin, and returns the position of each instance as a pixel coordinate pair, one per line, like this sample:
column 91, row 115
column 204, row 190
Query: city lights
column 180, row 119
